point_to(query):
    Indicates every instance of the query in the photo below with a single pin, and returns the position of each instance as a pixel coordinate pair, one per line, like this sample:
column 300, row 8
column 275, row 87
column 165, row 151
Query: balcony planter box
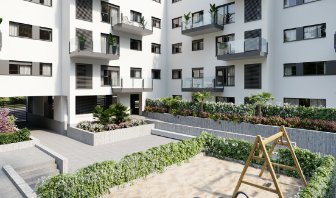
column 316, row 141
column 95, row 139
column 19, row 145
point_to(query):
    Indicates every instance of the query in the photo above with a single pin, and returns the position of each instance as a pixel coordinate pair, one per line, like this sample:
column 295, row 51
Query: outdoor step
column 49, row 163
column 37, row 172
column 34, row 180
column 170, row 134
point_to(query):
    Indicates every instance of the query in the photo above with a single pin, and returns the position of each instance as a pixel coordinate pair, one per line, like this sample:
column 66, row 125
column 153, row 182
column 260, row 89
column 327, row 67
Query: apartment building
column 67, row 56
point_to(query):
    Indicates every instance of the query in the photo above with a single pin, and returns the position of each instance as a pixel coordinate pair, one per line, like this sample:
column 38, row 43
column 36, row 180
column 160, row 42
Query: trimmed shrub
column 96, row 127
column 7, row 122
column 14, row 137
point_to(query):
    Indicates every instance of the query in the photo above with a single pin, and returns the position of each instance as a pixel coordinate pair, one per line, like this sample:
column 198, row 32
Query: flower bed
column 97, row 179
column 320, row 119
column 96, row 127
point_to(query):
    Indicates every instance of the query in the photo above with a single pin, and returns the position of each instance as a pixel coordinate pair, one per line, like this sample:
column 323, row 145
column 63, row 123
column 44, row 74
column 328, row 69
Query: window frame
column 134, row 69
column 179, row 72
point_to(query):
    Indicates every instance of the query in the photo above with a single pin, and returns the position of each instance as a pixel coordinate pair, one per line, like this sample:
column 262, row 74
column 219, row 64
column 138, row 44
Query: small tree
column 143, row 22
column 119, row 113
column 213, row 12
column 171, row 102
column 104, row 116
column 259, row 100
column 187, row 18
column 201, row 97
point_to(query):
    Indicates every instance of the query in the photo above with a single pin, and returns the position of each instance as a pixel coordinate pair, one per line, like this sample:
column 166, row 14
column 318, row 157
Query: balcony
column 242, row 49
column 85, row 50
column 132, row 85
column 124, row 25
column 206, row 25
column 200, row 85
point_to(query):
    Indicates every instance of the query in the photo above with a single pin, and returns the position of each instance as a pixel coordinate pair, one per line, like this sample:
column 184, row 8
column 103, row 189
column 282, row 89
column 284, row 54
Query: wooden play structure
column 281, row 138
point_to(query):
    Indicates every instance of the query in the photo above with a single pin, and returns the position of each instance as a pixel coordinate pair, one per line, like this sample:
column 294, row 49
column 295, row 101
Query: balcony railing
column 201, row 84
column 124, row 24
column 205, row 25
column 242, row 49
column 86, row 49
column 132, row 85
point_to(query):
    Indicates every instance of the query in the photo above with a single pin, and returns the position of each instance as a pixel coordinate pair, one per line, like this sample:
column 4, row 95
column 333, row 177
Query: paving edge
column 61, row 161
column 19, row 182
column 19, row 145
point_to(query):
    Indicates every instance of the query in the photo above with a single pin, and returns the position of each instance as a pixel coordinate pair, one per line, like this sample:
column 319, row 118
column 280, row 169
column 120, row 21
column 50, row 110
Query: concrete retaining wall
column 42, row 122
column 107, row 137
column 316, row 141
column 19, row 145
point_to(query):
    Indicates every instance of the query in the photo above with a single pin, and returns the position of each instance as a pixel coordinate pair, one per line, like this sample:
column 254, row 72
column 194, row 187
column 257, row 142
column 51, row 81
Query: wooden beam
column 269, row 154
column 272, row 138
column 259, row 186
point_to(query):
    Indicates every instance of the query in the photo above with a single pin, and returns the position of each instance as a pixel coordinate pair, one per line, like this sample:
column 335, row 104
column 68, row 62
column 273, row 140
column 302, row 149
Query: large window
column 221, row 43
column 177, row 22
column 45, row 34
column 306, row 102
column 20, row 68
column 177, row 48
column 197, row 19
column 156, row 74
column 20, row 29
column 84, row 10
column 289, row 35
column 136, row 72
column 227, row 11
column 198, row 45
column 110, row 76
column 83, row 76
column 290, row 3
column 197, row 72
column 176, row 73
column 314, row 31
column 42, row 2
column 136, row 16
column 45, row 69
column 252, row 10
column 252, row 76
column 314, row 68
column 110, row 13
column 225, row 76
column 290, row 70
column 136, row 44
column 310, row 68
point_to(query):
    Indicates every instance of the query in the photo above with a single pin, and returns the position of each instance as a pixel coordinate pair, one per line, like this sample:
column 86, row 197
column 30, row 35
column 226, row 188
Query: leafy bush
column 97, row 179
column 119, row 113
column 115, row 114
column 104, row 116
column 14, row 137
column 7, row 122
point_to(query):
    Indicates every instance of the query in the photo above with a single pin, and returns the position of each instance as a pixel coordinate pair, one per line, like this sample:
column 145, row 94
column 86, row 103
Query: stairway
column 7, row 188
column 37, row 172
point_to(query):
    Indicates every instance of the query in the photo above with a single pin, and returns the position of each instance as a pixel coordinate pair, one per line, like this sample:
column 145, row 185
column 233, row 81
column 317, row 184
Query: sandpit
column 204, row 177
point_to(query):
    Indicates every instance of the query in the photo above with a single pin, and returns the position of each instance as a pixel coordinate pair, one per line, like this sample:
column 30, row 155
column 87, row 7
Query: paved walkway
column 81, row 155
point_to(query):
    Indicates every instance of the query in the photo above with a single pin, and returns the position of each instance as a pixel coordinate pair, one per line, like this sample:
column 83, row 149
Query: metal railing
column 200, row 83
column 206, row 19
column 241, row 46
column 132, row 83
column 122, row 18
column 77, row 45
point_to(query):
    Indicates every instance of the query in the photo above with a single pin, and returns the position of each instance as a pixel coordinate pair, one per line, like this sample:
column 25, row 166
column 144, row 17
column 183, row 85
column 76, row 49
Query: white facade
column 62, row 19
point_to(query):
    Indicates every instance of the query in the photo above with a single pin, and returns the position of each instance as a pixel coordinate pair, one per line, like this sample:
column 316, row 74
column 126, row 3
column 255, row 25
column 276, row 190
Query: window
column 177, row 48
column 156, row 22
column 314, row 68
column 252, row 10
column 156, row 48
column 136, row 44
column 197, row 19
column 225, row 99
column 306, row 102
column 174, row 1
column 197, row 45
column 314, row 31
column 20, row 68
column 136, row 73
column 136, row 16
column 45, row 69
column 45, row 34
column 252, row 74
column 84, row 10
column 83, row 76
column 42, row 2
column 20, row 30
column 108, row 48
column 228, row 12
column 290, row 3
column 197, row 72
column 289, row 35
column 221, row 43
column 177, row 97
column 176, row 73
column 110, row 76
column 109, row 13
column 156, row 74
column 225, row 76
column 177, row 22
column 290, row 70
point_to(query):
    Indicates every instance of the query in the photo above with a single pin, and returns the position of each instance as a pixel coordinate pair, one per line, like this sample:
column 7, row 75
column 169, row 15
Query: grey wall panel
column 36, row 32
column 299, row 69
column 87, row 34
column 331, row 67
column 299, row 33
column 35, row 69
column 4, row 67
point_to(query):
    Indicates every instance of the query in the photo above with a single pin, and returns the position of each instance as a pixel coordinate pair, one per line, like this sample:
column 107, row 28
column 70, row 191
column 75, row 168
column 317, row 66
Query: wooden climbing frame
column 281, row 138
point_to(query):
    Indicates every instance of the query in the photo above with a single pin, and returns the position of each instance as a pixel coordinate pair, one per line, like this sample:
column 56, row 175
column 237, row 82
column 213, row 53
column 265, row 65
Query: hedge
column 14, row 137
column 285, row 111
column 97, row 179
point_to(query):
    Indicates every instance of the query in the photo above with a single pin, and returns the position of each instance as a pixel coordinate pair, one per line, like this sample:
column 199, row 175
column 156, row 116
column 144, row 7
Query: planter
column 107, row 137
column 316, row 141
column 81, row 45
column 18, row 145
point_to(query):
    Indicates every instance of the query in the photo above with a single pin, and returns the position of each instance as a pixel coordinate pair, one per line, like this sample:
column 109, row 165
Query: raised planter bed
column 107, row 137
column 316, row 141
column 19, row 145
